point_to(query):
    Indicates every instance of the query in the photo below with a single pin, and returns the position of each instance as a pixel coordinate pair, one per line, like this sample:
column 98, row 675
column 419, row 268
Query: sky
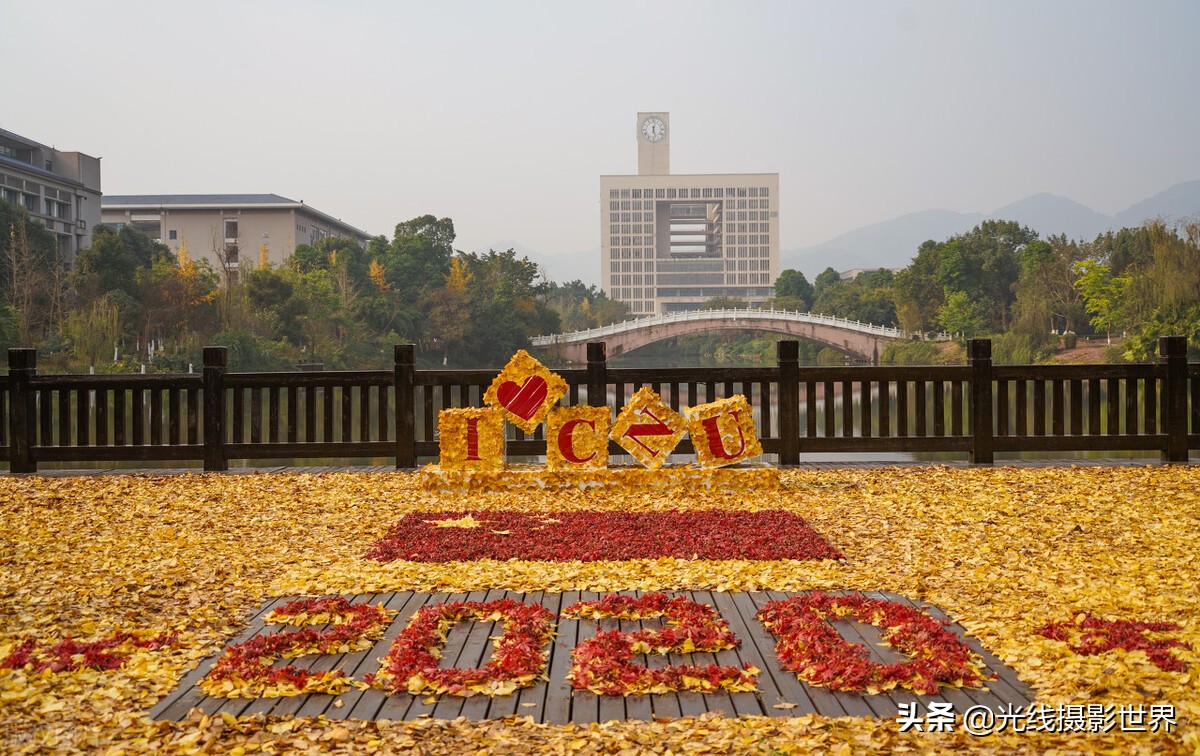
column 503, row 115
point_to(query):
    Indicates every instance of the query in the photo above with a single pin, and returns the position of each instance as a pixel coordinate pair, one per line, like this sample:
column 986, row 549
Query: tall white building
column 671, row 242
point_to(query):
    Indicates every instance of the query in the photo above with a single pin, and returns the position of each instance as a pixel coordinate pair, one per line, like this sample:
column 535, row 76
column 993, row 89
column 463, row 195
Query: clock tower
column 654, row 144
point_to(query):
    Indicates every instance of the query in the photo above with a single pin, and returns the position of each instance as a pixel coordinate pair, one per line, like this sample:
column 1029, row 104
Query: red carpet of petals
column 602, row 535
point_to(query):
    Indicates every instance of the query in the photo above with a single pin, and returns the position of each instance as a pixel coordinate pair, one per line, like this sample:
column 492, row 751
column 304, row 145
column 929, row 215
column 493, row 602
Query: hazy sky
column 503, row 115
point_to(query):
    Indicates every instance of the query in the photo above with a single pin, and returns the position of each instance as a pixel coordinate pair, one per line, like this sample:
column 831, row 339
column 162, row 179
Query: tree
column 1102, row 293
column 792, row 283
column 30, row 273
column 961, row 315
column 724, row 303
column 825, row 279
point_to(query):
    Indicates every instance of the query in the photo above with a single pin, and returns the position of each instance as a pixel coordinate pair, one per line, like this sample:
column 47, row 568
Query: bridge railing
column 977, row 409
column 601, row 332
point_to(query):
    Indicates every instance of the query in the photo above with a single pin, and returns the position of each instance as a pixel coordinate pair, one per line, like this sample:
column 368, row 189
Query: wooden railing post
column 1175, row 398
column 22, row 366
column 597, row 374
column 788, row 356
column 215, row 360
column 979, row 357
column 406, row 423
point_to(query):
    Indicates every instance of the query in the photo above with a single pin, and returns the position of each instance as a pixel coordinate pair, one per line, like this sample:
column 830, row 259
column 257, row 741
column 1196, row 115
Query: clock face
column 653, row 129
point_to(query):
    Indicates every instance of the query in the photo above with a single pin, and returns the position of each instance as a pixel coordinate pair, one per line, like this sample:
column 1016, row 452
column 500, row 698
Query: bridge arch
column 860, row 340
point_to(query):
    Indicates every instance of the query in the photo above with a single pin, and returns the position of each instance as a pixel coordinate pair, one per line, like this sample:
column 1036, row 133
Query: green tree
column 1102, row 293
column 792, row 283
column 724, row 303
column 961, row 315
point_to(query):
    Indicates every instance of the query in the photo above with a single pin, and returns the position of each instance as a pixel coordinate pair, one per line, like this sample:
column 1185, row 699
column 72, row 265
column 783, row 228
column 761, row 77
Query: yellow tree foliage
column 458, row 278
column 378, row 275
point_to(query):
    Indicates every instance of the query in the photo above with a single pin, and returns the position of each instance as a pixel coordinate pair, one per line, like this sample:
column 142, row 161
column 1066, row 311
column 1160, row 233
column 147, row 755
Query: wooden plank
column 1150, row 405
column 822, row 700
column 1022, row 390
column 774, row 691
column 939, row 408
column 1058, row 402
column 364, row 413
column 531, row 702
column 1076, row 407
column 138, row 415
column 187, row 696
column 468, row 647
column 613, row 707
column 1039, row 408
column 327, row 412
column 585, row 705
column 744, row 704
column 866, row 409
column 957, row 428
column 1001, row 408
column 366, row 704
column 827, row 396
column 919, row 405
column 293, row 414
column 102, row 417
column 557, row 710
column 1114, row 406
column 639, row 707
column 64, row 417
column 1094, row 406
column 156, row 417
column 847, row 409
column 1131, row 406
column 310, row 413
column 46, row 421
column 902, row 408
column 405, row 705
column 810, row 409
column 257, row 422
column 193, row 416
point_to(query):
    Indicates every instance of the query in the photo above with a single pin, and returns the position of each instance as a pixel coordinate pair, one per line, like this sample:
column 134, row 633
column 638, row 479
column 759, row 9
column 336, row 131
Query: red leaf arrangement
column 604, row 663
column 1098, row 635
column 245, row 669
column 812, row 648
column 590, row 535
column 69, row 655
column 519, row 654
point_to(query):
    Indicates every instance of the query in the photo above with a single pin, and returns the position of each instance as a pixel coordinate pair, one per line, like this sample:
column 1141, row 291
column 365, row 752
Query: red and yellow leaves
column 604, row 663
column 592, row 535
column 245, row 671
column 809, row 646
column 518, row 658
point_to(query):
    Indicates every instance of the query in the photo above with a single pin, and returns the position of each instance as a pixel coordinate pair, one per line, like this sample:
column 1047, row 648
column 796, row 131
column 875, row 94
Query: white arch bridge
column 862, row 341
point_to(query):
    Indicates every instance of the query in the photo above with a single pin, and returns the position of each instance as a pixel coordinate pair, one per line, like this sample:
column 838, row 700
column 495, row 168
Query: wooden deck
column 781, row 693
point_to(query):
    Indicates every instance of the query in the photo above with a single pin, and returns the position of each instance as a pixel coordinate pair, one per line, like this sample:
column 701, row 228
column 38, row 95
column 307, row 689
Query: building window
column 231, row 229
column 172, row 234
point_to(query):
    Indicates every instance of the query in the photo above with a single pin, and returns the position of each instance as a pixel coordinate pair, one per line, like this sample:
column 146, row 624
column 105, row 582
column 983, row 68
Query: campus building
column 669, row 242
column 60, row 189
column 229, row 230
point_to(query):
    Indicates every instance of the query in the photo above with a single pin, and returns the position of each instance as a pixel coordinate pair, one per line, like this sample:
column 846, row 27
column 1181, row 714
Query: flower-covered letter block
column 723, row 432
column 577, row 438
column 471, row 438
column 525, row 391
column 648, row 428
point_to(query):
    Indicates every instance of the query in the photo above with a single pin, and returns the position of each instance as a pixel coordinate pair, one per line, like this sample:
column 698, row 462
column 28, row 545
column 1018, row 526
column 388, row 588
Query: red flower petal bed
column 518, row 658
column 604, row 663
column 69, row 655
column 1098, row 635
column 608, row 535
column 245, row 671
column 813, row 649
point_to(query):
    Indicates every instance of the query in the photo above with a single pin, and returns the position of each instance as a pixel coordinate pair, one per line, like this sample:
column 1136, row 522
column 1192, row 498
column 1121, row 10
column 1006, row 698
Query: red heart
column 524, row 400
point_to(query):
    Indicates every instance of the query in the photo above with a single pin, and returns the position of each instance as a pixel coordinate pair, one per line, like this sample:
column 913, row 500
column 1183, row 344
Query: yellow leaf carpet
column 1004, row 551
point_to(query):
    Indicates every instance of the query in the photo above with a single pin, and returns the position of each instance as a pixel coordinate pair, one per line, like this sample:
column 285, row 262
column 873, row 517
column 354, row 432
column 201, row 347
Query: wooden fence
column 979, row 408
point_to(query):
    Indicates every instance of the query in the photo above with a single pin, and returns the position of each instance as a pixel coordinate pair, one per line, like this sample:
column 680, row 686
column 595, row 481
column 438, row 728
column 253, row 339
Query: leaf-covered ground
column 1003, row 550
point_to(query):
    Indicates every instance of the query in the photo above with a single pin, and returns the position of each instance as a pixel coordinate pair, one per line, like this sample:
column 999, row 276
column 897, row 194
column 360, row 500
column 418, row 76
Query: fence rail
column 979, row 408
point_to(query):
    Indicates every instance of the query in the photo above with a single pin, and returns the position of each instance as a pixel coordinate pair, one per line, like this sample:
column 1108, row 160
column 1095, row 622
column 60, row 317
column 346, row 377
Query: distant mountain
column 583, row 265
column 893, row 243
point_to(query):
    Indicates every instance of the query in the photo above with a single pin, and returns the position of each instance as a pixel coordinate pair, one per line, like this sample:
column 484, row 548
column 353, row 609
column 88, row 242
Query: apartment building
column 61, row 189
column 231, row 231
